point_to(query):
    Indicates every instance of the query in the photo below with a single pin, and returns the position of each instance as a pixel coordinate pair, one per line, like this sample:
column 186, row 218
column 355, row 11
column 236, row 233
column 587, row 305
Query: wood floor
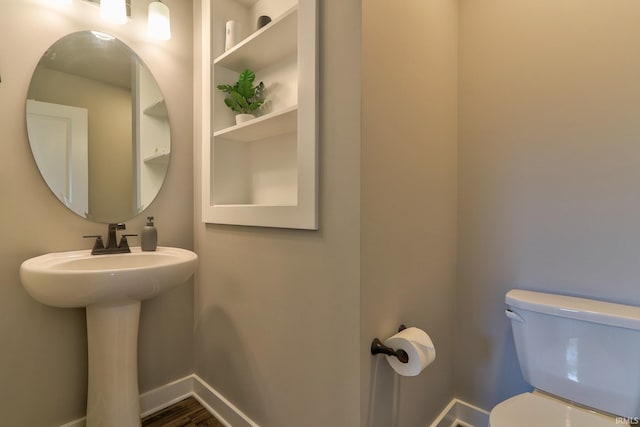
column 186, row 413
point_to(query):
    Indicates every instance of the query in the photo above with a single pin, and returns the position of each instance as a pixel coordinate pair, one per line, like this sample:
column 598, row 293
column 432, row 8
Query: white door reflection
column 61, row 151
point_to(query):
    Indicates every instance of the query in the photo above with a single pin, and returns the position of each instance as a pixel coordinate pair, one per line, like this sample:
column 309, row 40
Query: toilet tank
column 582, row 350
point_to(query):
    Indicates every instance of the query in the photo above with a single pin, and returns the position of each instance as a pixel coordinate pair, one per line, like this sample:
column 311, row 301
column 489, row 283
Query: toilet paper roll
column 418, row 346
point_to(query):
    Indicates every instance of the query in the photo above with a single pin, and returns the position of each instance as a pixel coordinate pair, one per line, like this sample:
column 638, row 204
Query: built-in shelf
column 159, row 109
column 160, row 157
column 262, row 172
column 267, row 126
column 275, row 41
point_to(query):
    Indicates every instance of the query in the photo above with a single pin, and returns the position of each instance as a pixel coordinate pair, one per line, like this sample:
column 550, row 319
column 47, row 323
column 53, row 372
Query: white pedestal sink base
column 112, row 332
column 111, row 287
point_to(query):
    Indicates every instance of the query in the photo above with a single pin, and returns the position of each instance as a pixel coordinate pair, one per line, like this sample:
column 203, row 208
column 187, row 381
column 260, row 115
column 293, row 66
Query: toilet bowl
column 584, row 355
column 540, row 410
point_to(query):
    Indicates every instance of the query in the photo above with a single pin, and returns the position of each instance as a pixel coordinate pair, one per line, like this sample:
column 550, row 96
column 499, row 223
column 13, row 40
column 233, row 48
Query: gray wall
column 548, row 168
column 380, row 258
column 408, row 242
column 278, row 311
column 546, row 172
column 43, row 358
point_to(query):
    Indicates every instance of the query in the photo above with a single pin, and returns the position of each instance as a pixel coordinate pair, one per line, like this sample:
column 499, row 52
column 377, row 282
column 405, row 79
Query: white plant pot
column 241, row 118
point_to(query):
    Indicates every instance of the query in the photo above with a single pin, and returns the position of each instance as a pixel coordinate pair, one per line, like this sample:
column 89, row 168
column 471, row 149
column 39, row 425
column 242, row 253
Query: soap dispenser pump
column 149, row 238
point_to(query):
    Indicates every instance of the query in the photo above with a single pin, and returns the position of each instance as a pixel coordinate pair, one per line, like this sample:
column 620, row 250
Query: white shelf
column 159, row 109
column 160, row 157
column 269, row 125
column 262, row 172
column 275, row 41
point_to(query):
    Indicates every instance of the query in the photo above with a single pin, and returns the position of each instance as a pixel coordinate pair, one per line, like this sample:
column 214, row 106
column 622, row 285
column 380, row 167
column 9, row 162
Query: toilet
column 581, row 356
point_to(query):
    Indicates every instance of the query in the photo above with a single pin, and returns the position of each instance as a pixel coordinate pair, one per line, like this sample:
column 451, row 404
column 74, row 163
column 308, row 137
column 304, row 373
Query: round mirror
column 98, row 127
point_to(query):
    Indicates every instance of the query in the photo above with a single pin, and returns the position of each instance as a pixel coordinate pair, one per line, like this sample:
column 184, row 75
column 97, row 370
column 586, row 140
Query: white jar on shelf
column 232, row 34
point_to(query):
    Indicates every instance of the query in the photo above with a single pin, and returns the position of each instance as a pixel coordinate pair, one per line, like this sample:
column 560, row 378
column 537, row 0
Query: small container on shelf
column 262, row 21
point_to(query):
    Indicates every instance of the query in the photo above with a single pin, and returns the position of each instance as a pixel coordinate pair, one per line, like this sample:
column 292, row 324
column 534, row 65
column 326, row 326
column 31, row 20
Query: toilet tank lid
column 606, row 313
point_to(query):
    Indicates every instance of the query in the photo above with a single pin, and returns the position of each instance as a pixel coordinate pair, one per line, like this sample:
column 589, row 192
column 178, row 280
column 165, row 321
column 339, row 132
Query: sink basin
column 111, row 287
column 79, row 279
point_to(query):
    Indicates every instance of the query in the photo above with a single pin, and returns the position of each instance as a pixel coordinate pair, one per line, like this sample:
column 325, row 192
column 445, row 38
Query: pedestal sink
column 111, row 287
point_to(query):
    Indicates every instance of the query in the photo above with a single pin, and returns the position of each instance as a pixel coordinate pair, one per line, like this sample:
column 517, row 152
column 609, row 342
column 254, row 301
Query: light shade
column 159, row 21
column 114, row 11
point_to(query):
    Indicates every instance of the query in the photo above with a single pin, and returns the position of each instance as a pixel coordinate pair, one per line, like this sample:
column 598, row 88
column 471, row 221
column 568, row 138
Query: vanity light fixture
column 114, row 11
column 159, row 21
column 118, row 11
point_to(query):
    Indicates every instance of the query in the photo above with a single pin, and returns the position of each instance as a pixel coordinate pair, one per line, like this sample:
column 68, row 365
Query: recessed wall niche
column 262, row 172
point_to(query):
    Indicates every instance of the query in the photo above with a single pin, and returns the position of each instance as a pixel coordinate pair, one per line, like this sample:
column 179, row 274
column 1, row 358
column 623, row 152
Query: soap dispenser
column 149, row 238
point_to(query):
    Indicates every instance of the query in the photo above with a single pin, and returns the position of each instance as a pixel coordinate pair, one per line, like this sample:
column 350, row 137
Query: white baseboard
column 220, row 407
column 456, row 412
column 165, row 395
column 175, row 391
column 462, row 413
column 82, row 422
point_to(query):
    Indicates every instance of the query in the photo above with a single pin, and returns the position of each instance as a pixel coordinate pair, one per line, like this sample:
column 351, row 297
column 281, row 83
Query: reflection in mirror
column 98, row 127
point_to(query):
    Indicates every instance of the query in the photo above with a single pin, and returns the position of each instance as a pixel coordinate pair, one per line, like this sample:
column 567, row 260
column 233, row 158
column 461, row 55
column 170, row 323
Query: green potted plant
column 243, row 97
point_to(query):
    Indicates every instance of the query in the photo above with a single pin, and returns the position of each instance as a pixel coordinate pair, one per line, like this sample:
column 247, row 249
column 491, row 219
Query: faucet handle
column 124, row 243
column 98, row 245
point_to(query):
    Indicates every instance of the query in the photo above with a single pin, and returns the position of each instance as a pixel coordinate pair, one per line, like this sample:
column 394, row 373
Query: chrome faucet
column 113, row 247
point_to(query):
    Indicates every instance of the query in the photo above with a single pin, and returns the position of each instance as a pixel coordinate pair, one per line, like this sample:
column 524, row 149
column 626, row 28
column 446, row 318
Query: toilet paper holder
column 378, row 348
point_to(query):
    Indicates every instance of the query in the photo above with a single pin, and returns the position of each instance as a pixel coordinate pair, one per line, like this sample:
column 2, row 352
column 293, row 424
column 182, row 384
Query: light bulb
column 159, row 21
column 114, row 11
